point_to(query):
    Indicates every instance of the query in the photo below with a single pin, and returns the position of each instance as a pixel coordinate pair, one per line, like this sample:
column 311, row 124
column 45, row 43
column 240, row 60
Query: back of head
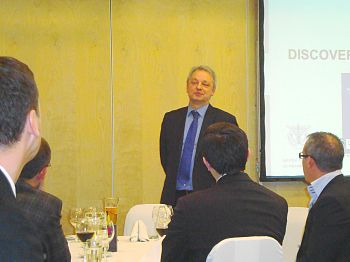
column 225, row 147
column 41, row 160
column 326, row 149
column 18, row 96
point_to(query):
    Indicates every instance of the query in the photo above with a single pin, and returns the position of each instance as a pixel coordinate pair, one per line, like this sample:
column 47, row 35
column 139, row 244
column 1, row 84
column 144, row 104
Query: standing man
column 327, row 230
column 182, row 130
column 42, row 208
column 235, row 206
column 19, row 142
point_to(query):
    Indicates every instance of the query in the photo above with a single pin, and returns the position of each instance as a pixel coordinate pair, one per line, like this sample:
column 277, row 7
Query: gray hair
column 203, row 68
column 326, row 149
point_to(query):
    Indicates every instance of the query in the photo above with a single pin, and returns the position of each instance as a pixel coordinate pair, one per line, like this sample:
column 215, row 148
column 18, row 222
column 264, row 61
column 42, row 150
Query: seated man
column 235, row 206
column 327, row 230
column 41, row 207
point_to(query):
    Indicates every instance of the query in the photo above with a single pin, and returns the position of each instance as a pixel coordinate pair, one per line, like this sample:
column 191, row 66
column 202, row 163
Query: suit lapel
column 207, row 121
column 179, row 130
column 5, row 188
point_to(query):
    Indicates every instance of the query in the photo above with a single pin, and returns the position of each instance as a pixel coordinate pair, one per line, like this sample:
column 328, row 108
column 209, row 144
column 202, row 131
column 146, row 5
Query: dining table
column 127, row 251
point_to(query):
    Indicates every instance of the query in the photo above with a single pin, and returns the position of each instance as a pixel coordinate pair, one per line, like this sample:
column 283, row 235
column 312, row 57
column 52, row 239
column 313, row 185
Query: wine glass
column 75, row 214
column 84, row 230
column 161, row 216
column 105, row 233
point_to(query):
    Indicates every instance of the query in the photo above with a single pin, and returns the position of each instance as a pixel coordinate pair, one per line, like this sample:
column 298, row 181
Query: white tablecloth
column 127, row 251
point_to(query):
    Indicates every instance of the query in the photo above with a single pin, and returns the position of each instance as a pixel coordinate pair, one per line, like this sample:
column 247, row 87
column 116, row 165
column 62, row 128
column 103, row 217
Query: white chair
column 294, row 232
column 142, row 212
column 246, row 249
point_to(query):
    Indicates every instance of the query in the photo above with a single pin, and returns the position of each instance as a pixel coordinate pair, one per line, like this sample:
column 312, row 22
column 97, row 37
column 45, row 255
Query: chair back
column 142, row 212
column 247, row 249
column 296, row 220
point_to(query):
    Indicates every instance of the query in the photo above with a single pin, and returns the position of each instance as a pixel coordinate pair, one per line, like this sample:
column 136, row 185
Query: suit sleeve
column 57, row 242
column 232, row 119
column 328, row 232
column 174, row 244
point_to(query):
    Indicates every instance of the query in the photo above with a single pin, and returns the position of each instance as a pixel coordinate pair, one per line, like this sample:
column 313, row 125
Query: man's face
column 307, row 167
column 200, row 88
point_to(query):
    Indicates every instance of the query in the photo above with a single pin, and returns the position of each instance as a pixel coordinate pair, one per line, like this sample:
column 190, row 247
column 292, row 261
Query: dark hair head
column 41, row 160
column 326, row 149
column 18, row 96
column 225, row 147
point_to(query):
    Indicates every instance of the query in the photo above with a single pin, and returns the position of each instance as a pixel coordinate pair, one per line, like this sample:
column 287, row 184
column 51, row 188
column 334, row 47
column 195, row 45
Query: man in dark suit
column 186, row 172
column 327, row 230
column 235, row 207
column 19, row 142
column 42, row 208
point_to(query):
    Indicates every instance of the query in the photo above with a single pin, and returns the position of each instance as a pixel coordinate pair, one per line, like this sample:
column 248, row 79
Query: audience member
column 42, row 208
column 327, row 230
column 235, row 207
column 182, row 129
column 19, row 142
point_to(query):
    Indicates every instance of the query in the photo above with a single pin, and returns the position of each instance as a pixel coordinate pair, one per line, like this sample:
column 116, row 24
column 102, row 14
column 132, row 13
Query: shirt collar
column 201, row 111
column 316, row 187
column 8, row 177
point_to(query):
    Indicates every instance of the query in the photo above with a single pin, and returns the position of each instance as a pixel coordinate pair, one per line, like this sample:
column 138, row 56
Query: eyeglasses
column 303, row 156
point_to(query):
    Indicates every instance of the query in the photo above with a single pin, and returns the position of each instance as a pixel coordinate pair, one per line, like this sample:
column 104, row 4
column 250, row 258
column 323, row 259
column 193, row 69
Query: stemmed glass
column 104, row 231
column 161, row 216
column 84, row 231
column 75, row 214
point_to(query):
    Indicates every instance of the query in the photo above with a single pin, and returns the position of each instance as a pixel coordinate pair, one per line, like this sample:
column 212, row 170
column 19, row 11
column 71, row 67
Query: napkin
column 139, row 232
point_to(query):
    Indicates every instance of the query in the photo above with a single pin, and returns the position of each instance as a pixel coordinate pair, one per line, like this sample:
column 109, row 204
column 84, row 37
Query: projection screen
column 304, row 50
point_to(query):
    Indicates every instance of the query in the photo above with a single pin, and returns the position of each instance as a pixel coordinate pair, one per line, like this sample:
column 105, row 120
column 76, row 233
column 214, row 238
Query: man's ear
column 33, row 123
column 42, row 173
column 206, row 163
column 249, row 154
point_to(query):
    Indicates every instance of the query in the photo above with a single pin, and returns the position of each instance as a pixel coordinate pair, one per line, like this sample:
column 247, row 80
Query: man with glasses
column 182, row 130
column 41, row 207
column 327, row 230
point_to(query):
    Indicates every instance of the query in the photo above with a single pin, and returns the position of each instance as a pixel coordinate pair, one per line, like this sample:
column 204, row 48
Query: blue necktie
column 185, row 163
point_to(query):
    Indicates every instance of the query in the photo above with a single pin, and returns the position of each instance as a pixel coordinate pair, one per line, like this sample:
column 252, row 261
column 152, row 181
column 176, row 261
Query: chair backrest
column 294, row 232
column 142, row 212
column 247, row 249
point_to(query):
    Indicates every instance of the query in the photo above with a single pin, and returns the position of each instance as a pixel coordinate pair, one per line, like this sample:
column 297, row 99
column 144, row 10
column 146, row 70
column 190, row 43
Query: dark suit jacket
column 171, row 138
column 18, row 238
column 44, row 210
column 235, row 207
column 327, row 230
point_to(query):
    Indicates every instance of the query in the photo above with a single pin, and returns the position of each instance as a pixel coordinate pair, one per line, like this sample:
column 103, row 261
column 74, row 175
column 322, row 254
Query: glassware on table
column 110, row 205
column 94, row 250
column 161, row 216
column 75, row 214
column 84, row 231
column 89, row 212
column 105, row 231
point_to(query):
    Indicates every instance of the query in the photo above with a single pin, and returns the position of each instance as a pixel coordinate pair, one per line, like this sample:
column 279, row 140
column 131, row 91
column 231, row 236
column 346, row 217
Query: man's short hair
column 41, row 160
column 225, row 147
column 203, row 68
column 326, row 149
column 18, row 95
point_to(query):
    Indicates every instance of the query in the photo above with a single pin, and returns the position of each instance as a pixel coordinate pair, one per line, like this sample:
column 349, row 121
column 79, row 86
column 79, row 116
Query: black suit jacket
column 18, row 236
column 171, row 139
column 44, row 210
column 235, row 207
column 327, row 230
